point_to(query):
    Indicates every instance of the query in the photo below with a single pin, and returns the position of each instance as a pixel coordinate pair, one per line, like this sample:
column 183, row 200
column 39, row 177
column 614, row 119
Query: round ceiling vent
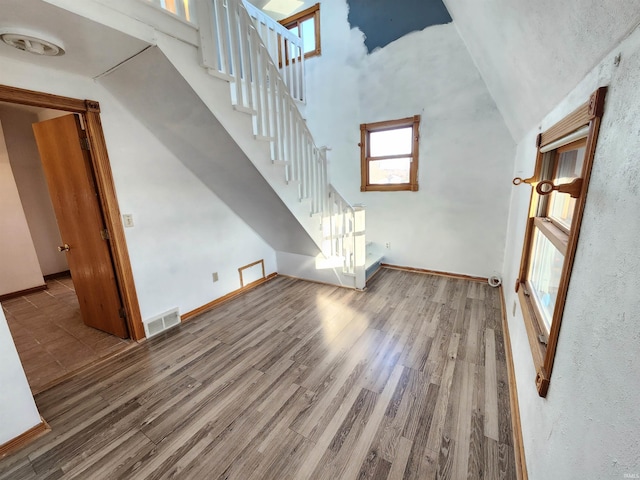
column 32, row 44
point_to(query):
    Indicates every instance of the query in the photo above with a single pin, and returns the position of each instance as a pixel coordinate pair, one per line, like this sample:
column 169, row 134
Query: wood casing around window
column 297, row 18
column 589, row 114
column 365, row 154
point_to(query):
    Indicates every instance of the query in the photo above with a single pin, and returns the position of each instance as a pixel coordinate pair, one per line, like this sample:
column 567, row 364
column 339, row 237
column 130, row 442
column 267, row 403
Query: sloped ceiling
column 532, row 53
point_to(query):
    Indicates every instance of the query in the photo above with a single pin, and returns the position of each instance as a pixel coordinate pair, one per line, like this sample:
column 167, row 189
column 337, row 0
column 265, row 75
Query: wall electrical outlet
column 215, row 276
column 387, row 245
column 127, row 219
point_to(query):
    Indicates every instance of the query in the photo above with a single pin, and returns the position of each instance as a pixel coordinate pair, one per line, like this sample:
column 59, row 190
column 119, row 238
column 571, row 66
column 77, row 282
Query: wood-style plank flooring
column 296, row 380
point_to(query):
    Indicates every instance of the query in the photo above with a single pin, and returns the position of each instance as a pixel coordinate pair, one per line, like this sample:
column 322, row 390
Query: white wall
column 183, row 232
column 587, row 427
column 18, row 412
column 456, row 221
column 32, row 187
column 20, row 268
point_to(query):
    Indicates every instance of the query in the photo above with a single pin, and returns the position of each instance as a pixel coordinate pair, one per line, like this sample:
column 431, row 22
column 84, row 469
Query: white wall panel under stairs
column 155, row 92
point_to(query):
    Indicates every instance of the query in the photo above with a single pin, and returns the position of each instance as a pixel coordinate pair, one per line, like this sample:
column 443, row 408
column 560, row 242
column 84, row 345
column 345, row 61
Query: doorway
column 57, row 301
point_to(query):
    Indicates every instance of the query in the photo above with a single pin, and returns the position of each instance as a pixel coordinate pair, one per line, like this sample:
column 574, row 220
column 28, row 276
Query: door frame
column 89, row 110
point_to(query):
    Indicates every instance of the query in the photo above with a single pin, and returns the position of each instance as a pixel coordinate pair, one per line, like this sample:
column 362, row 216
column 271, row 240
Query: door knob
column 64, row 248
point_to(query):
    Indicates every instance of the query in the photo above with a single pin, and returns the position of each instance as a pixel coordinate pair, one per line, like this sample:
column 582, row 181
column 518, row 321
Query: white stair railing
column 232, row 49
column 285, row 48
column 339, row 231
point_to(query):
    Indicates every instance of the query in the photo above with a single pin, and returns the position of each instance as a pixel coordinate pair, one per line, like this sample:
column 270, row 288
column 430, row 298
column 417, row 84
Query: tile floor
column 51, row 339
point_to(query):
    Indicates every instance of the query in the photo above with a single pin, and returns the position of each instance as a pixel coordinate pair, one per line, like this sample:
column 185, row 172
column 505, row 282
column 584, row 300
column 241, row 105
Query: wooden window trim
column 556, row 166
column 555, row 234
column 298, row 18
column 365, row 157
column 589, row 114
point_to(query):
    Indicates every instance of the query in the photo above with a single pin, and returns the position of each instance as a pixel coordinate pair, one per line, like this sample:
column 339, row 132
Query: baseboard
column 516, row 425
column 436, row 272
column 20, row 293
column 205, row 308
column 25, row 438
column 53, row 276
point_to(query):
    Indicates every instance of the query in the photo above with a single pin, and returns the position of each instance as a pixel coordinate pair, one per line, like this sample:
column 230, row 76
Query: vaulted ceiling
column 531, row 54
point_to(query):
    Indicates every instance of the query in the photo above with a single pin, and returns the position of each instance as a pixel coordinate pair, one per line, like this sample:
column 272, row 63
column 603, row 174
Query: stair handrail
column 280, row 42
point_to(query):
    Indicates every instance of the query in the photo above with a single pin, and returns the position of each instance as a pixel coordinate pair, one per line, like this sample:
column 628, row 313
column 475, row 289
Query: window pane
column 294, row 29
column 385, row 172
column 544, row 274
column 569, row 167
column 391, row 142
column 308, row 28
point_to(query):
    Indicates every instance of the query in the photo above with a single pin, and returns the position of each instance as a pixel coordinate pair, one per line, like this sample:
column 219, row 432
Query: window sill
column 402, row 187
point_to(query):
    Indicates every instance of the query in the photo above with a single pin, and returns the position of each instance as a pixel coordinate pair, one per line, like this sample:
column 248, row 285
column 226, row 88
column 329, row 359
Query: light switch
column 127, row 218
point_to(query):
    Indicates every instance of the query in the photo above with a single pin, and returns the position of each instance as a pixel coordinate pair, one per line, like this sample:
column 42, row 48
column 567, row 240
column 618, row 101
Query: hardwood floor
column 296, row 380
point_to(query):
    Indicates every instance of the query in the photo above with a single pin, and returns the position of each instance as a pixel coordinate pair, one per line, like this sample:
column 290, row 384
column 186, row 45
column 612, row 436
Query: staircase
column 262, row 65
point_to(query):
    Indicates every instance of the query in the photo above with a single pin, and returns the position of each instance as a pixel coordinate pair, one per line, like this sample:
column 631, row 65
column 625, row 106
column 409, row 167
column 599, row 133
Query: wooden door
column 67, row 167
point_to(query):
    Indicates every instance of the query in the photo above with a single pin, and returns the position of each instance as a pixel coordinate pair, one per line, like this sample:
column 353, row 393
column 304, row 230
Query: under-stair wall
column 150, row 87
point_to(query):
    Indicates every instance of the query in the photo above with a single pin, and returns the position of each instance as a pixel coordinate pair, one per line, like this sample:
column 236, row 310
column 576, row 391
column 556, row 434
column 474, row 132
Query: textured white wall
column 18, row 260
column 588, row 425
column 18, row 412
column 183, row 232
column 32, row 186
column 531, row 54
column 456, row 221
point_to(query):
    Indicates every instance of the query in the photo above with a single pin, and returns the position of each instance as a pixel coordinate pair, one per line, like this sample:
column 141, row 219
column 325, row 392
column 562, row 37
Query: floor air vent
column 162, row 322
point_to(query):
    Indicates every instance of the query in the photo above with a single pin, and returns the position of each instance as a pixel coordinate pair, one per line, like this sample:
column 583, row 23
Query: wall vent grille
column 160, row 323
